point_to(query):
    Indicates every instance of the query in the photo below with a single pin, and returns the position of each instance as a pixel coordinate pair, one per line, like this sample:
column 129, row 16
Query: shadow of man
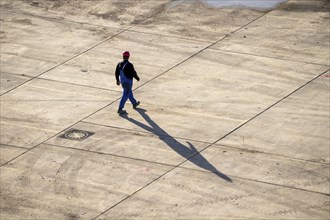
column 190, row 153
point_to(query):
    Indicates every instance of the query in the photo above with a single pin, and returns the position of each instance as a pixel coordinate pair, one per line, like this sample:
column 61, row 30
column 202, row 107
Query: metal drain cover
column 75, row 134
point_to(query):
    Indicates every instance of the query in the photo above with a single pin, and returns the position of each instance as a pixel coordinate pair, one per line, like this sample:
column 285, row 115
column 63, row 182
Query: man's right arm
column 134, row 73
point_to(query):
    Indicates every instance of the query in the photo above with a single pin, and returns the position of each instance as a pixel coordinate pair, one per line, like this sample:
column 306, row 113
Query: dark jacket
column 129, row 70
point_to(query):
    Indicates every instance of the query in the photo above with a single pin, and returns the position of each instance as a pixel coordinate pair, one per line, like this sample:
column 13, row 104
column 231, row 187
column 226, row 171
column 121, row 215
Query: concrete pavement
column 233, row 122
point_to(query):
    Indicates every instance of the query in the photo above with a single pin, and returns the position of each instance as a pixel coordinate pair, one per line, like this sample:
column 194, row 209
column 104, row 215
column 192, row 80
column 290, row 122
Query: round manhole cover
column 75, row 134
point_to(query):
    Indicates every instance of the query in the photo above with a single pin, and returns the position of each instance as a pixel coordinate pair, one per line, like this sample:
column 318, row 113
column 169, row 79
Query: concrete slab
column 215, row 83
column 113, row 14
column 235, row 162
column 187, row 194
column 204, row 88
column 57, row 183
column 26, row 40
column 18, row 32
column 266, row 168
column 168, row 122
column 213, row 91
column 11, row 133
column 9, row 81
column 276, row 33
column 8, row 153
column 202, row 22
column 42, row 108
column 151, row 55
column 300, row 122
column 133, row 144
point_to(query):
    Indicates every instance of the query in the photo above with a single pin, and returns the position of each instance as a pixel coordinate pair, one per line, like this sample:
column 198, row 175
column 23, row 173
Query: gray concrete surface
column 233, row 123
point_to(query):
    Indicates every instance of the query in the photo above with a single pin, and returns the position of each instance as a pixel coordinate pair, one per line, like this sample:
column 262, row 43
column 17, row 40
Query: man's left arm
column 135, row 75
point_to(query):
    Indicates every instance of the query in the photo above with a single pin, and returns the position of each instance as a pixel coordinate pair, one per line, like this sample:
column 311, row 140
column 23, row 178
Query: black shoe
column 136, row 104
column 121, row 111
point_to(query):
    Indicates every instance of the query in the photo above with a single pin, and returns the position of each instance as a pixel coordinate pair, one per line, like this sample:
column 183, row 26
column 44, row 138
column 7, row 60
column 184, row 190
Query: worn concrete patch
column 58, row 183
column 202, row 22
column 258, row 166
column 10, row 81
column 113, row 14
column 253, row 4
column 187, row 194
column 8, row 153
column 275, row 34
column 35, row 49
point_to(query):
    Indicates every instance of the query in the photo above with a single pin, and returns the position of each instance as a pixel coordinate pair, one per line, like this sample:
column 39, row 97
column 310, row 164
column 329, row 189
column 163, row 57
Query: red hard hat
column 126, row 54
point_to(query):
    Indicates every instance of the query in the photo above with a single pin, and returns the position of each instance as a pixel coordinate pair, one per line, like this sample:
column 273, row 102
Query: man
column 126, row 72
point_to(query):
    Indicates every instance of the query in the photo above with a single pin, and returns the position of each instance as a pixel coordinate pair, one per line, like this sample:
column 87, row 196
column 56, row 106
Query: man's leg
column 131, row 98
column 126, row 93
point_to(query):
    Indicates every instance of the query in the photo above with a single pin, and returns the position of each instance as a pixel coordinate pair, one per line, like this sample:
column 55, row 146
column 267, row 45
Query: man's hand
column 118, row 83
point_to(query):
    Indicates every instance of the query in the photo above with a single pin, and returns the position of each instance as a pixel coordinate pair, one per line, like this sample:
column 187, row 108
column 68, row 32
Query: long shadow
column 190, row 153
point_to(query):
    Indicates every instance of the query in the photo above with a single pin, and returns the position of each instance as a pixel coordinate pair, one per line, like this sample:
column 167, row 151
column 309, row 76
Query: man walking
column 126, row 72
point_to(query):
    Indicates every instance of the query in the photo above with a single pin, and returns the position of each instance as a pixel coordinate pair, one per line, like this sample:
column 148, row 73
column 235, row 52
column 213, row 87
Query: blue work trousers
column 127, row 85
